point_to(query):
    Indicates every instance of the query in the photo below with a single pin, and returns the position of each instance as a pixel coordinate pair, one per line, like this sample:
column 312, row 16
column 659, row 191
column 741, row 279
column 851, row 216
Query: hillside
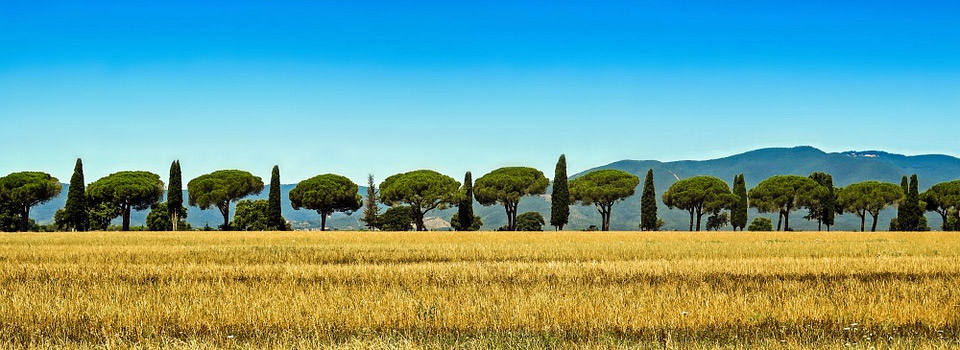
column 846, row 168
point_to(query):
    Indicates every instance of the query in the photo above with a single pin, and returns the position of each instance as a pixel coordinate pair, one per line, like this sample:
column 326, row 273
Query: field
column 361, row 290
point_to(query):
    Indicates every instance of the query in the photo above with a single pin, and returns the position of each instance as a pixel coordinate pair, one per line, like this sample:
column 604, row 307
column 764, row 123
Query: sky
column 360, row 87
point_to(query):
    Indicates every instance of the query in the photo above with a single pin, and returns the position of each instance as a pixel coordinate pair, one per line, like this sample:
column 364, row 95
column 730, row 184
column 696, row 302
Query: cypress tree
column 371, row 212
column 738, row 214
column 465, row 208
column 829, row 205
column 175, row 195
column 274, row 211
column 909, row 211
column 648, row 204
column 560, row 198
column 75, row 209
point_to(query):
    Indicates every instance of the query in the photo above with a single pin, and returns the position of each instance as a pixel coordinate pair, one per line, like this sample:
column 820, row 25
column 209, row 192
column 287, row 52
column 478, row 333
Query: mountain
column 846, row 168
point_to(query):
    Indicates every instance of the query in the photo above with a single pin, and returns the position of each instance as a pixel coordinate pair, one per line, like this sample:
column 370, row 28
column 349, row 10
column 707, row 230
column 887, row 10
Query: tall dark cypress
column 465, row 208
column 175, row 195
column 75, row 209
column 274, row 211
column 829, row 205
column 648, row 204
column 371, row 212
column 560, row 198
column 909, row 211
column 738, row 214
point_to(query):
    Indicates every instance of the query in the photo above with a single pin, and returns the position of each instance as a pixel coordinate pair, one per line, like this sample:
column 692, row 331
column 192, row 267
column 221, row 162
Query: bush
column 455, row 223
column 530, row 221
column 760, row 224
column 398, row 218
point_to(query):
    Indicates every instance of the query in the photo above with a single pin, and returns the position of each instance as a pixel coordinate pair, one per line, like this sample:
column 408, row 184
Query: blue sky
column 357, row 87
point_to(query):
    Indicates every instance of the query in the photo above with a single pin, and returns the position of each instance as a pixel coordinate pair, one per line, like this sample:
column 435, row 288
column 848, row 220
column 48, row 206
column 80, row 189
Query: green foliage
column 717, row 221
column 221, row 187
column 782, row 194
column 944, row 199
column 398, row 218
column 868, row 197
column 603, row 188
column 275, row 220
column 159, row 218
column 74, row 216
column 175, row 197
column 371, row 211
column 648, row 205
column 560, row 197
column 761, row 224
column 125, row 191
column 475, row 224
column 823, row 201
column 530, row 221
column 698, row 195
column 507, row 186
column 253, row 215
column 422, row 190
column 9, row 215
column 465, row 207
column 100, row 215
column 910, row 209
column 738, row 209
column 25, row 189
column 327, row 194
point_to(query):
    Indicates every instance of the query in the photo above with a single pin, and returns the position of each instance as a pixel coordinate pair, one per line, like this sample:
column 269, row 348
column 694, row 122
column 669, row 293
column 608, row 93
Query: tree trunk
column 779, row 220
column 863, row 220
column 786, row 221
column 323, row 221
column 25, row 219
column 691, row 220
column 943, row 215
column 125, row 211
column 819, row 224
column 699, row 216
column 604, row 217
column 225, row 210
column 174, row 221
column 874, row 228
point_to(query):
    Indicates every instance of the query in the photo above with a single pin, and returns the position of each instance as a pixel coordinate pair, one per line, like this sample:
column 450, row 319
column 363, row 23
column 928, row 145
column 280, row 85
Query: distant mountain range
column 846, row 168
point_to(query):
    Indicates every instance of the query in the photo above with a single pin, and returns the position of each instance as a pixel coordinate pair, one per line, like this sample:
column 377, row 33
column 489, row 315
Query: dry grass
column 479, row 290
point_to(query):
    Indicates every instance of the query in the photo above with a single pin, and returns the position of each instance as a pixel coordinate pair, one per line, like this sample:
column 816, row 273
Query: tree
column 909, row 211
column 253, row 215
column 603, row 188
column 648, row 205
column 823, row 201
column 398, row 218
column 738, row 211
column 698, row 195
column 465, row 208
column 25, row 189
column 370, row 209
column 125, row 191
column 869, row 197
column 423, row 190
column 175, row 197
column 529, row 221
column 560, row 197
column 327, row 194
column 75, row 216
column 507, row 186
column 944, row 199
column 219, row 188
column 782, row 194
column 159, row 218
column 717, row 220
column 101, row 214
column 275, row 220
column 761, row 224
column 475, row 224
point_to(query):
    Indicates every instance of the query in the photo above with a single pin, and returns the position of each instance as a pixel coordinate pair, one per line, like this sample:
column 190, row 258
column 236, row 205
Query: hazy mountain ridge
column 846, row 167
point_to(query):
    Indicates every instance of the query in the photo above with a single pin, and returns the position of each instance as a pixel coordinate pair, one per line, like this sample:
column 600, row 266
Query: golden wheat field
column 282, row 290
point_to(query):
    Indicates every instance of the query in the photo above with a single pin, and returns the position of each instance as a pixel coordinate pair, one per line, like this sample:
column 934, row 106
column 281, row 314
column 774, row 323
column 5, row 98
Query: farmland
column 479, row 290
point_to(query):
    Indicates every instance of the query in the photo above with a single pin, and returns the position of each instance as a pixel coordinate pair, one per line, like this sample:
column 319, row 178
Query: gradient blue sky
column 355, row 87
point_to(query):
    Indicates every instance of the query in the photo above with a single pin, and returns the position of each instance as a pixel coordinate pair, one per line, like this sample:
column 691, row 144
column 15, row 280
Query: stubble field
column 200, row 290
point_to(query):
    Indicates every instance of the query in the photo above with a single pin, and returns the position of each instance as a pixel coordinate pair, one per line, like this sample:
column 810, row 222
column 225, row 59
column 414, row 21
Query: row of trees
column 412, row 195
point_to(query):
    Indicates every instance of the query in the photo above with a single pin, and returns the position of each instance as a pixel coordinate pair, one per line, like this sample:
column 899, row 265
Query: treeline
column 412, row 195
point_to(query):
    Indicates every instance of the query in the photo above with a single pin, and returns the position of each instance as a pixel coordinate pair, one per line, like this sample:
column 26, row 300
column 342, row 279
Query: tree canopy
column 126, row 191
column 219, row 188
column 507, row 186
column 530, row 221
column 275, row 220
column 398, row 218
column 465, row 207
column 422, row 190
column 782, row 194
column 175, row 197
column 603, row 188
column 944, row 199
column 648, row 205
column 75, row 216
column 869, row 197
column 560, row 197
column 822, row 205
column 738, row 211
column 327, row 194
column 25, row 189
column 252, row 215
column 698, row 195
